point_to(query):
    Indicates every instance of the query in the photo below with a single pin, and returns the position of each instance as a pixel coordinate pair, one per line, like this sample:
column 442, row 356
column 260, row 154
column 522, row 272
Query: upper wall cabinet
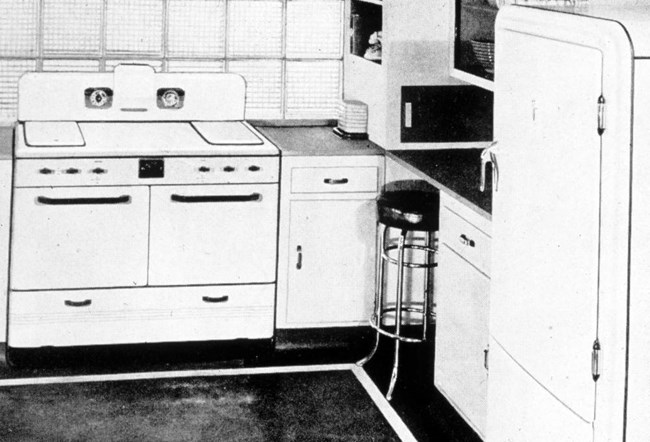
column 473, row 42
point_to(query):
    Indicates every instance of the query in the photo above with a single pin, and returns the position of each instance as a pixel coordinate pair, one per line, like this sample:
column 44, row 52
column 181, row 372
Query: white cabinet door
column 462, row 300
column 79, row 237
column 546, row 213
column 213, row 234
column 331, row 262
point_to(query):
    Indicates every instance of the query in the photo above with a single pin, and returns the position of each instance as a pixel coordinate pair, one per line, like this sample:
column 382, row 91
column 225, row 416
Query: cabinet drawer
column 117, row 316
column 466, row 239
column 333, row 179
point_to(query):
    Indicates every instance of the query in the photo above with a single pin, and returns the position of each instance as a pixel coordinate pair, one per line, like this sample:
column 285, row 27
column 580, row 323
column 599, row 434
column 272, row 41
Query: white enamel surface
column 208, row 96
column 138, row 315
column 226, row 132
column 82, row 245
column 560, row 215
column 213, row 242
column 53, row 133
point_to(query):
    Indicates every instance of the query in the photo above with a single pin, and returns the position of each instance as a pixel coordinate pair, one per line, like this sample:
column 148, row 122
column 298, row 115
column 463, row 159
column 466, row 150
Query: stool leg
column 426, row 302
column 398, row 311
column 379, row 291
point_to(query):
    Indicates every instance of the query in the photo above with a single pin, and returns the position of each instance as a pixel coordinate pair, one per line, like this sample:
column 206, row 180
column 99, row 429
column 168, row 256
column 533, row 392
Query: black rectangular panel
column 446, row 114
column 151, row 168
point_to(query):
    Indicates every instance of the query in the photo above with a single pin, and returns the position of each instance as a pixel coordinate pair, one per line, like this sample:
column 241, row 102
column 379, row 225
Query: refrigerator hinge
column 595, row 360
column 601, row 115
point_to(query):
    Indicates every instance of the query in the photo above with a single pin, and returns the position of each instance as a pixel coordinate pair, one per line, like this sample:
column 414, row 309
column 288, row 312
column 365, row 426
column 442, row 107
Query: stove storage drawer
column 140, row 315
column 213, row 234
column 79, row 237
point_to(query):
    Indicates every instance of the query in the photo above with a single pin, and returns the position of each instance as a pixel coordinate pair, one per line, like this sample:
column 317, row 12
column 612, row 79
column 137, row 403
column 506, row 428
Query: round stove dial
column 171, row 98
column 98, row 98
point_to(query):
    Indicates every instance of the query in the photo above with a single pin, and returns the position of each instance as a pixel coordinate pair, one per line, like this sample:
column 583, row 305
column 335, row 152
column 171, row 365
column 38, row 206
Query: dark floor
column 427, row 414
column 315, row 406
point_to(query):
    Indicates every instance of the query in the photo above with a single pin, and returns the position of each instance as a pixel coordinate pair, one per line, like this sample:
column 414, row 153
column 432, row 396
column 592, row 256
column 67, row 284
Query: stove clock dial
column 170, row 98
column 98, row 97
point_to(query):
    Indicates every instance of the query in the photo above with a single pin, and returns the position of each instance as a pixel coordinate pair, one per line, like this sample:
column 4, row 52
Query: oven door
column 213, row 234
column 79, row 237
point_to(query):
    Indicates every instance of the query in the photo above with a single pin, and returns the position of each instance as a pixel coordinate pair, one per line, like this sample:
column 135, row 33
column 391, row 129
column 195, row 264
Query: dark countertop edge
column 439, row 185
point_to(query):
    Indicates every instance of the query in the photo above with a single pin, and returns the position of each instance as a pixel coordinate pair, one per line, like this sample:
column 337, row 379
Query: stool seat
column 410, row 205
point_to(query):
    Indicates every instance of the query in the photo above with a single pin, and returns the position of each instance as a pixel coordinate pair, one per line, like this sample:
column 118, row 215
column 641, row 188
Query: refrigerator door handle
column 489, row 156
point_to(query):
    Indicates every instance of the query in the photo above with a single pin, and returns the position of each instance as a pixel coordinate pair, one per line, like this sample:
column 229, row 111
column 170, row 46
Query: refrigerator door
column 546, row 213
column 560, row 214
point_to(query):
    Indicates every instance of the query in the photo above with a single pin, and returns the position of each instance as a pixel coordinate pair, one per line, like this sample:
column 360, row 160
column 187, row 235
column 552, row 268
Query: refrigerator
column 569, row 356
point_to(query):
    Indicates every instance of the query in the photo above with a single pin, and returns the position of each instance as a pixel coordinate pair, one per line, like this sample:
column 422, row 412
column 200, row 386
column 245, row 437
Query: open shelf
column 365, row 20
column 474, row 31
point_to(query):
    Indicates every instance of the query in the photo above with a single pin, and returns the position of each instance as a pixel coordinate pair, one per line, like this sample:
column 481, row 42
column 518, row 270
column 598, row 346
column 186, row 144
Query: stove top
column 131, row 139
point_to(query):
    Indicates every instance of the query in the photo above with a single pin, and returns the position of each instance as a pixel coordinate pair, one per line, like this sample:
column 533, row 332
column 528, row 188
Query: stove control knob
column 204, row 169
column 254, row 168
column 72, row 171
column 98, row 171
column 46, row 171
column 228, row 169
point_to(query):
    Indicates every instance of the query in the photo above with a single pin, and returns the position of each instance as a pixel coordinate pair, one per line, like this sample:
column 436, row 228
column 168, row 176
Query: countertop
column 318, row 140
column 454, row 171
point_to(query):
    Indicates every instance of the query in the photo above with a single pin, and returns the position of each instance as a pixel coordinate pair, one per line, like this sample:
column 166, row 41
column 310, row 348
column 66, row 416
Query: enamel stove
column 144, row 209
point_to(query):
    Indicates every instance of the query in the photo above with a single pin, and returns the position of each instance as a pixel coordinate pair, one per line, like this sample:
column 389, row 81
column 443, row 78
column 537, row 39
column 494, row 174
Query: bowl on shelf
column 484, row 53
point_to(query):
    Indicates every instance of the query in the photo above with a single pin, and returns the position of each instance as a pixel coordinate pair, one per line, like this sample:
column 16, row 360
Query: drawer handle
column 335, row 181
column 124, row 199
column 466, row 241
column 84, row 303
column 216, row 198
column 214, row 300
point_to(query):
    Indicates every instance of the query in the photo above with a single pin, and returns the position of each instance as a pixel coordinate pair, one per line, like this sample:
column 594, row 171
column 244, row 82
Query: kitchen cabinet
column 326, row 268
column 462, row 302
column 414, row 51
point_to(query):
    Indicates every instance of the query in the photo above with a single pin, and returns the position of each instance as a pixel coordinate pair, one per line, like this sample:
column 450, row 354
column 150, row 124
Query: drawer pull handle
column 214, row 300
column 216, row 198
column 335, row 181
column 466, row 241
column 84, row 303
column 124, row 199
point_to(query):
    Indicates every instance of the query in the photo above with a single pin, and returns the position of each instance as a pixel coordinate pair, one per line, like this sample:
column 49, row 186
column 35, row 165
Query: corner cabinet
column 462, row 304
column 326, row 268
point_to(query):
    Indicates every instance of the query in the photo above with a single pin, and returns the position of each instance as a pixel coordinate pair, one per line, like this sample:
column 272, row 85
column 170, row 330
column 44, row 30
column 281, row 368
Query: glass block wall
column 289, row 51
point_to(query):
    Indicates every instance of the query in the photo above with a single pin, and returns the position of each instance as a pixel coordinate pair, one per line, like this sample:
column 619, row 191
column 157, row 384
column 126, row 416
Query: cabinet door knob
column 299, row 262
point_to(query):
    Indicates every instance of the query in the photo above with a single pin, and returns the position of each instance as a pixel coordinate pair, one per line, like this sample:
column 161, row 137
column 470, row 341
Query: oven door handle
column 123, row 199
column 215, row 198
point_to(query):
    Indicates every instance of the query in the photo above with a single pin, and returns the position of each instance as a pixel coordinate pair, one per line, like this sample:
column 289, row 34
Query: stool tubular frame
column 399, row 308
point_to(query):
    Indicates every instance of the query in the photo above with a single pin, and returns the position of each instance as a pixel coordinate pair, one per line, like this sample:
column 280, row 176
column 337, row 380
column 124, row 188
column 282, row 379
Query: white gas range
column 144, row 209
